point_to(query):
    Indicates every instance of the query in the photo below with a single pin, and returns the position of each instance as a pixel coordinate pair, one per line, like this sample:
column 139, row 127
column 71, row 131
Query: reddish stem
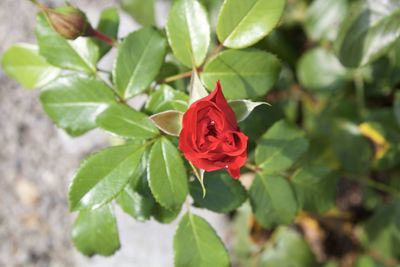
column 101, row 36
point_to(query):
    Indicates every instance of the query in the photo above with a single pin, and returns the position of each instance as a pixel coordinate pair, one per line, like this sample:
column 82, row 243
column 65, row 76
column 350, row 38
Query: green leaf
column 196, row 244
column 167, row 98
column 368, row 32
column 273, row 200
column 23, row 63
column 243, row 108
column 138, row 206
column 170, row 121
column 315, row 188
column 167, row 175
column 280, row 147
column 224, row 194
column 108, row 25
column 73, row 102
column 138, row 62
column 323, row 18
column 196, row 88
column 188, row 32
column 163, row 215
column 287, row 248
column 102, row 176
column 124, row 121
column 396, row 107
column 243, row 23
column 243, row 73
column 319, row 69
column 380, row 232
column 81, row 54
column 141, row 11
column 95, row 232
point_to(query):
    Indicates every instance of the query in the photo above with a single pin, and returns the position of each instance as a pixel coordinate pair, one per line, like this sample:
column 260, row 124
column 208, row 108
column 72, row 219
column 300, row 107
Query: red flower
column 210, row 137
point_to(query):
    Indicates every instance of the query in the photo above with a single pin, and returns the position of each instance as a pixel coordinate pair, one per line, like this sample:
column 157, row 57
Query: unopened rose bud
column 68, row 21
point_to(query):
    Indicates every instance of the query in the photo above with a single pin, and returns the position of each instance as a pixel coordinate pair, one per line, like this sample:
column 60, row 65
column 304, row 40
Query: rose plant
column 329, row 68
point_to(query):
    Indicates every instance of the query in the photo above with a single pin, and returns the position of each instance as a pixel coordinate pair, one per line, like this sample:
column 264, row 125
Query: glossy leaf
column 323, row 18
column 196, row 244
column 138, row 62
column 102, row 176
column 81, row 54
column 23, row 63
column 243, row 73
column 164, row 215
column 74, row 102
column 319, row 69
column 126, row 122
column 273, row 200
column 243, row 108
column 141, row 11
column 369, row 31
column 170, row 121
column 280, row 147
column 167, row 98
column 315, row 188
column 96, row 232
column 188, row 32
column 287, row 249
column 135, row 204
column 224, row 194
column 243, row 23
column 108, row 25
column 167, row 175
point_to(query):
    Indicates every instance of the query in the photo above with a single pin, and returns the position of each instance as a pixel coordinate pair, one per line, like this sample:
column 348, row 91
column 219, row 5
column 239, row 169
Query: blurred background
column 37, row 161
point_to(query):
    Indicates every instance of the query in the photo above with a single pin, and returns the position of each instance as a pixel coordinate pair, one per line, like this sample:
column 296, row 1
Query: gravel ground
column 37, row 161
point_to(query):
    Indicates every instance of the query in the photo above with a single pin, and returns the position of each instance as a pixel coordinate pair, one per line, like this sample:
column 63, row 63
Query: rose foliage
column 299, row 139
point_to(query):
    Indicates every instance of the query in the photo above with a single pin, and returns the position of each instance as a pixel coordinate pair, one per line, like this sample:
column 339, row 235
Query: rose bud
column 210, row 137
column 68, row 21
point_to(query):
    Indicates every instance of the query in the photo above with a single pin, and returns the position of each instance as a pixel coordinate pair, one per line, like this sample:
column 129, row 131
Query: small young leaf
column 126, row 122
column 169, row 121
column 280, row 147
column 224, row 194
column 243, row 23
column 141, row 11
column 272, row 200
column 108, row 25
column 167, row 175
column 196, row 88
column 102, row 176
column 167, row 98
column 138, row 62
column 246, row 73
column 95, row 232
column 81, row 54
column 197, row 245
column 23, row 63
column 188, row 32
column 243, row 108
column 73, row 102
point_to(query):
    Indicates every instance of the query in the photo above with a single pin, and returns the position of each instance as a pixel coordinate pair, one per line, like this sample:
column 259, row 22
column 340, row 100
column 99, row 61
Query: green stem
column 176, row 77
column 360, row 93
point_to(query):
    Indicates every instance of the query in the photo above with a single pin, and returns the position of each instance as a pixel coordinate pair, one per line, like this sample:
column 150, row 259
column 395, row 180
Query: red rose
column 210, row 137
